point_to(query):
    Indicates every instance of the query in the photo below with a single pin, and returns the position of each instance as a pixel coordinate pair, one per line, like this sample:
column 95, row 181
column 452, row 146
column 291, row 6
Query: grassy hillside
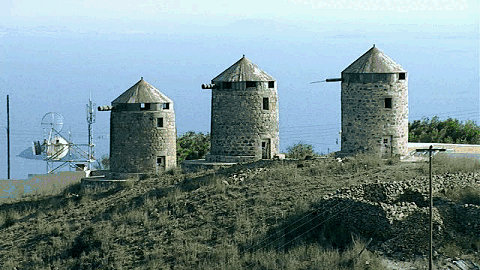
column 254, row 216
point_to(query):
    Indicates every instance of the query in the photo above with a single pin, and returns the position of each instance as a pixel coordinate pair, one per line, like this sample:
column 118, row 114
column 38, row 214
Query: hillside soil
column 310, row 214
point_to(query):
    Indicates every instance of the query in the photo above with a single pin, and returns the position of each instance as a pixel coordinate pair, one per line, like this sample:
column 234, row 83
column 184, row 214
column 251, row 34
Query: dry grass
column 443, row 163
column 202, row 220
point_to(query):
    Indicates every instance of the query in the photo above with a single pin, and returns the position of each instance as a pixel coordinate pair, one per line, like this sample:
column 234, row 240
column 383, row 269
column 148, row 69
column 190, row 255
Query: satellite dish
column 54, row 145
column 56, row 148
column 52, row 121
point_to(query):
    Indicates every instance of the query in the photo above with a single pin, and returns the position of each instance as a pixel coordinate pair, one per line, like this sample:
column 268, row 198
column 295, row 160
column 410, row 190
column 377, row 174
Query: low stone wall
column 450, row 147
column 96, row 182
column 202, row 164
column 395, row 215
column 230, row 159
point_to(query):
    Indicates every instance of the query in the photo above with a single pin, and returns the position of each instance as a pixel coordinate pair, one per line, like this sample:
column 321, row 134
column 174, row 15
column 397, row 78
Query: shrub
column 9, row 219
column 300, row 151
column 192, row 145
column 103, row 163
column 465, row 195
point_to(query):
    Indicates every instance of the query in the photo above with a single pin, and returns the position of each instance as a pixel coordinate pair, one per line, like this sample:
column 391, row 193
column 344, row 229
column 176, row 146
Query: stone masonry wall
column 239, row 123
column 366, row 121
column 136, row 141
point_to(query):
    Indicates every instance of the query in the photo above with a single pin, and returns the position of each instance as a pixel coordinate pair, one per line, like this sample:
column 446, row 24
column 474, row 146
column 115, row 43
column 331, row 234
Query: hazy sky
column 53, row 53
column 216, row 12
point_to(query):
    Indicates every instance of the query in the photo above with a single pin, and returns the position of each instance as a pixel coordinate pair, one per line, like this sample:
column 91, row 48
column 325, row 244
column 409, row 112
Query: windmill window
column 144, row 106
column 271, row 84
column 266, row 105
column 388, row 103
column 166, row 106
column 401, row 76
column 160, row 122
column 227, row 85
column 251, row 84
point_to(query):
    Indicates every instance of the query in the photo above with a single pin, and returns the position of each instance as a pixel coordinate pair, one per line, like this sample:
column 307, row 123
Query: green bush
column 300, row 151
column 447, row 131
column 9, row 219
column 103, row 163
column 470, row 195
column 465, row 195
column 192, row 145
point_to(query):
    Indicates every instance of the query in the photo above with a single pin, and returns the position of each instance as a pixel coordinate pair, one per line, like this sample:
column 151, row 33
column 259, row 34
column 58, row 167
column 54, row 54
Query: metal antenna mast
column 90, row 121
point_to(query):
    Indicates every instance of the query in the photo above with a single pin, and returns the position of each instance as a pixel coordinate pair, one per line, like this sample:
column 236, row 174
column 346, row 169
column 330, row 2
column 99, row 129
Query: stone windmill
column 374, row 100
column 244, row 121
column 142, row 131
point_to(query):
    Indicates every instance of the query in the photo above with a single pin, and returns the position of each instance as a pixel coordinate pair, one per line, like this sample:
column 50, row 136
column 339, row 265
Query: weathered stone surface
column 241, row 121
column 142, row 135
column 369, row 124
column 136, row 141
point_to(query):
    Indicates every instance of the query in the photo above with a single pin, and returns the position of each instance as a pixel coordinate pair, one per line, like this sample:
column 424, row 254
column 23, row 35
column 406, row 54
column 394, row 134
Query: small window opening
column 271, row 84
column 385, row 140
column 160, row 122
column 227, row 85
column 266, row 103
column 264, row 144
column 251, row 84
column 144, row 106
column 401, row 76
column 388, row 103
column 166, row 106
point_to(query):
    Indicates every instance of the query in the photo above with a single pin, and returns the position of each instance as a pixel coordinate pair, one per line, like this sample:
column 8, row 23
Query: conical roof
column 142, row 92
column 374, row 61
column 243, row 70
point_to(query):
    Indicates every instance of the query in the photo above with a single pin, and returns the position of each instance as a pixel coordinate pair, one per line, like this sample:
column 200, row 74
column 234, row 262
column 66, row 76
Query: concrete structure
column 244, row 123
column 374, row 100
column 142, row 132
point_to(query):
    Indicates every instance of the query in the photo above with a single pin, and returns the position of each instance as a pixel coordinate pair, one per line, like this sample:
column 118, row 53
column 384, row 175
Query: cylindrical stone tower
column 374, row 100
column 244, row 123
column 142, row 131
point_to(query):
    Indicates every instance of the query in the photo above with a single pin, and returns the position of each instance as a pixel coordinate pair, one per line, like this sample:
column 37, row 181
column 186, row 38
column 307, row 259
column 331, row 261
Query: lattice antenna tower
column 91, row 115
column 55, row 147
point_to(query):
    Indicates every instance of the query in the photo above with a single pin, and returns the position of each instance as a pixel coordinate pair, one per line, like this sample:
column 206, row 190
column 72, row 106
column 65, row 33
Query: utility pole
column 430, row 242
column 8, row 138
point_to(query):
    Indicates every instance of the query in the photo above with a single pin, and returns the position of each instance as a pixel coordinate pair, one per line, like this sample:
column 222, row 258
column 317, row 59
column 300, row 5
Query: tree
column 103, row 163
column 300, row 151
column 448, row 131
column 192, row 145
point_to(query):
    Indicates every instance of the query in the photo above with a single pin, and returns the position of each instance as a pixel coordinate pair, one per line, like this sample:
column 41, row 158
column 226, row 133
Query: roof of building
column 243, row 70
column 374, row 61
column 142, row 92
